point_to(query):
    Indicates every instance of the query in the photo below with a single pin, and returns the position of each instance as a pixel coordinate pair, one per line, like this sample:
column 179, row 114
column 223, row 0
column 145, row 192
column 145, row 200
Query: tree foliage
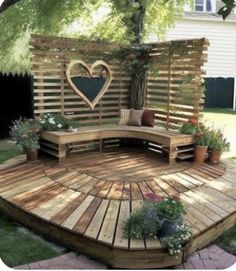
column 91, row 19
column 122, row 21
column 225, row 11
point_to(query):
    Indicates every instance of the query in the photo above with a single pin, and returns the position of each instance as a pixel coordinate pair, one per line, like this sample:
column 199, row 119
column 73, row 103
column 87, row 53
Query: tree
column 125, row 21
column 225, row 11
column 76, row 18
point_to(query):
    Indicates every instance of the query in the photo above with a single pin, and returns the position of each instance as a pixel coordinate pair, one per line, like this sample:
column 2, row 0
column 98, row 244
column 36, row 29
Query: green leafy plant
column 53, row 122
column 73, row 125
column 189, row 127
column 175, row 242
column 26, row 133
column 170, row 208
column 150, row 218
column 218, row 142
column 202, row 136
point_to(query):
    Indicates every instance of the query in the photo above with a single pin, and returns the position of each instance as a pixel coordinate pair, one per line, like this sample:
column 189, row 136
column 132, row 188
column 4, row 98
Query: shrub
column 142, row 223
column 53, row 122
column 25, row 133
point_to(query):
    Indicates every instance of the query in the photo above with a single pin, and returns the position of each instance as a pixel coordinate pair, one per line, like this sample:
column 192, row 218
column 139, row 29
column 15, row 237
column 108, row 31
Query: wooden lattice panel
column 52, row 93
column 174, row 88
column 174, row 81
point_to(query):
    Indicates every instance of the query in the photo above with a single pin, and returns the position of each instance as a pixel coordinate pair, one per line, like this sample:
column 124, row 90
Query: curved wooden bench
column 169, row 140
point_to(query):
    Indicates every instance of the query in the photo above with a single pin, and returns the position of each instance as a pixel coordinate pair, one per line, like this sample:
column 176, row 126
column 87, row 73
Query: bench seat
column 170, row 140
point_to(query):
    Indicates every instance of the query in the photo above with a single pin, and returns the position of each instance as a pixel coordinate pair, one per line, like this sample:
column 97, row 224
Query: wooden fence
column 174, row 88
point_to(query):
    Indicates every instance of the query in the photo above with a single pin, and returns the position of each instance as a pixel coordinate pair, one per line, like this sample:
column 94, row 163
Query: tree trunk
column 137, row 90
column 138, row 80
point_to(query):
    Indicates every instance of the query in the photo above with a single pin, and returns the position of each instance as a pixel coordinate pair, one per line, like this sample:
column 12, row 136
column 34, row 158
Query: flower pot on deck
column 32, row 154
column 214, row 157
column 169, row 227
column 200, row 153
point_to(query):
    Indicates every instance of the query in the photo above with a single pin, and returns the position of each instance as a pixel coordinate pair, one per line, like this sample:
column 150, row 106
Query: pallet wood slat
column 184, row 57
column 108, row 227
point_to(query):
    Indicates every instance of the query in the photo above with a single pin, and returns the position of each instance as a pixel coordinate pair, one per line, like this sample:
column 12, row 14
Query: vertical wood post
column 168, row 89
column 41, row 101
column 62, row 86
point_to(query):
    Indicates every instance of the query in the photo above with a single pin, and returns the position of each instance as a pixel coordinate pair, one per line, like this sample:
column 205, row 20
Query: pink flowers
column 153, row 197
column 193, row 121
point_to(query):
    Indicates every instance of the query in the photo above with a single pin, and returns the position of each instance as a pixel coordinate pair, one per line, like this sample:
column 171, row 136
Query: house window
column 205, row 5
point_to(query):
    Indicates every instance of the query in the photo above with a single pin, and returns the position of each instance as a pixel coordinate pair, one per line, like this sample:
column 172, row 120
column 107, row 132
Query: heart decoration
column 90, row 88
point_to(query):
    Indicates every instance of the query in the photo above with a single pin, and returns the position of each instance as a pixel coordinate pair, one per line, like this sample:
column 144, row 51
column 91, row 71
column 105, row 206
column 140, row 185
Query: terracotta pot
column 215, row 157
column 200, row 153
column 32, row 154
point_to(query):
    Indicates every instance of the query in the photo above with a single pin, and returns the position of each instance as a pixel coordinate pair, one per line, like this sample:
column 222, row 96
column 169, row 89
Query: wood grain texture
column 94, row 210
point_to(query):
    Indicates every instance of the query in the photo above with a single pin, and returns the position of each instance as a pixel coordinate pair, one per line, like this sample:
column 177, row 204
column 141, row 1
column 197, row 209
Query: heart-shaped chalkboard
column 91, row 87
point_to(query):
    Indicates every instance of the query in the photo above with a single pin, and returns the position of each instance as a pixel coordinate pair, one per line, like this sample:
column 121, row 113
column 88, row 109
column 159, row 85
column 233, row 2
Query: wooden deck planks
column 46, row 209
column 73, row 218
column 96, row 222
column 63, row 214
column 96, row 208
column 135, row 243
column 108, row 227
column 124, row 214
column 84, row 221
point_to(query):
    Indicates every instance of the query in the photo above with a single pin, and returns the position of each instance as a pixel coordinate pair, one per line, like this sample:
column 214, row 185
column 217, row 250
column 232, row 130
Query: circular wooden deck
column 84, row 202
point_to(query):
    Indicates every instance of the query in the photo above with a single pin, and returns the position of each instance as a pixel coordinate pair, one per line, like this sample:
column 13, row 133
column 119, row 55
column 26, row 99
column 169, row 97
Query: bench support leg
column 172, row 155
column 100, row 145
column 62, row 153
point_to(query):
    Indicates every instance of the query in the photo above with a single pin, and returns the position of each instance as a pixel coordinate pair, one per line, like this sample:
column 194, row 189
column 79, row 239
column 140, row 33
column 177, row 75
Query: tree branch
column 6, row 4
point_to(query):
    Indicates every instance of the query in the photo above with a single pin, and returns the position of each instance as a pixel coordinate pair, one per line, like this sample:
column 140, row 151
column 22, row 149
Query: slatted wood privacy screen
column 52, row 93
column 173, row 81
column 175, row 88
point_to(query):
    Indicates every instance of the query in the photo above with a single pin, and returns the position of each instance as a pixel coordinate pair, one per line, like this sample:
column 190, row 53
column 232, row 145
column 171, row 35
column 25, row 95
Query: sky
column 1, row 1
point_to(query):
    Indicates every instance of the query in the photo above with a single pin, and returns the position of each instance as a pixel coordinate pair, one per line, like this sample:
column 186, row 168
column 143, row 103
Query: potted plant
column 26, row 134
column 202, row 141
column 159, row 217
column 218, row 145
column 170, row 212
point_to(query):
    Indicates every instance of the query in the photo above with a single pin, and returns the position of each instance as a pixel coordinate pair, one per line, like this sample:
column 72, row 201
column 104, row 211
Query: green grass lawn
column 227, row 240
column 19, row 246
column 220, row 111
column 226, row 121
column 9, row 153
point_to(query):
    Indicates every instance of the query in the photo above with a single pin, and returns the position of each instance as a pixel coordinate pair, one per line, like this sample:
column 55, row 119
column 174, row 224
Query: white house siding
column 222, row 38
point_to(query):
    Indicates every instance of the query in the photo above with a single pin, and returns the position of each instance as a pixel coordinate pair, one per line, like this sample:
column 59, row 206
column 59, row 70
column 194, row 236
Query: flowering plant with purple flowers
column 26, row 133
column 150, row 218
